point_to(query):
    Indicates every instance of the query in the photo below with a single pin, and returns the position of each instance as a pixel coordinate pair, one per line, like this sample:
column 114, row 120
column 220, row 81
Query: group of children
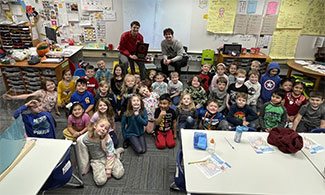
column 216, row 99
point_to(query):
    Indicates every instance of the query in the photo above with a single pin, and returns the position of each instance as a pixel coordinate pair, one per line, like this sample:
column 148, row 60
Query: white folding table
column 318, row 159
column 250, row 173
column 29, row 175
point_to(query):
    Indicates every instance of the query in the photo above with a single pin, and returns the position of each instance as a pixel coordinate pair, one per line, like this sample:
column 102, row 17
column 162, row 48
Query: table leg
column 289, row 72
column 317, row 83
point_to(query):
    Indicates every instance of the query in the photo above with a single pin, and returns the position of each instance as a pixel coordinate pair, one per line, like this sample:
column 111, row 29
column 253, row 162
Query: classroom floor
column 150, row 173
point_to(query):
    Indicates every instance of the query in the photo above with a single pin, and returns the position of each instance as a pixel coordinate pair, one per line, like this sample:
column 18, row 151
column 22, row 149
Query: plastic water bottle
column 239, row 132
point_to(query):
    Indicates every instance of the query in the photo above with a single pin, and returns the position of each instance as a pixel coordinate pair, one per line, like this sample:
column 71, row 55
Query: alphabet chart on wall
column 96, row 5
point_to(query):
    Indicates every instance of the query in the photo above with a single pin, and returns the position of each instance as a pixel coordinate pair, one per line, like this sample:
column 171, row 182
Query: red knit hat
column 287, row 140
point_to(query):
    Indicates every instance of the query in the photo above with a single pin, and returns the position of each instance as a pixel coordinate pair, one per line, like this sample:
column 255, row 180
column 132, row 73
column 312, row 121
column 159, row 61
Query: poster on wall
column 96, row 5
column 292, row 14
column 221, row 16
column 284, row 43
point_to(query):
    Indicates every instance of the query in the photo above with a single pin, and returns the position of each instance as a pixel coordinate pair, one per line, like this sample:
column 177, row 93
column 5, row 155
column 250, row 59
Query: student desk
column 299, row 68
column 250, row 173
column 317, row 159
column 29, row 175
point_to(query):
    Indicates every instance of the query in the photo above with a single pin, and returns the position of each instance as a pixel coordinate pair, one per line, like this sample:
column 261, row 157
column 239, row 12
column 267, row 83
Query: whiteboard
column 156, row 15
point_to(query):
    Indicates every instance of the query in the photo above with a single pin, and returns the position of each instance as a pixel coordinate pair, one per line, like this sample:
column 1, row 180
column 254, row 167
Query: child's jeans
column 188, row 124
column 175, row 100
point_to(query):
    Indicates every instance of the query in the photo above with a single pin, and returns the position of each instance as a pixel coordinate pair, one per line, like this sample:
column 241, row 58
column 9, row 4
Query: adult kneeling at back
column 173, row 52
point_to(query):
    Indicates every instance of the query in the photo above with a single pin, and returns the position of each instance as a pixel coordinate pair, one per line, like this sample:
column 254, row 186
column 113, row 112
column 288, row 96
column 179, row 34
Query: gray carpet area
column 150, row 173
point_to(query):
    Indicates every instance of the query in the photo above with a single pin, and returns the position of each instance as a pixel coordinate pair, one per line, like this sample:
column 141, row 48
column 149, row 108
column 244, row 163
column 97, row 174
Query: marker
column 229, row 143
column 194, row 162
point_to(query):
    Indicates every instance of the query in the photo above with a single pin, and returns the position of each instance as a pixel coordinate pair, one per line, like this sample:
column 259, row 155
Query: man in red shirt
column 127, row 49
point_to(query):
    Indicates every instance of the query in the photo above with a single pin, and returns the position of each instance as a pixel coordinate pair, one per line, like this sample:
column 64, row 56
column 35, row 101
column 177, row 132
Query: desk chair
column 320, row 130
column 179, row 177
column 62, row 174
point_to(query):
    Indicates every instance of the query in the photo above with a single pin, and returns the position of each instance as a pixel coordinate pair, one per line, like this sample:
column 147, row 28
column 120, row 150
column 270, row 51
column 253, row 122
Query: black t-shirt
column 232, row 91
column 166, row 123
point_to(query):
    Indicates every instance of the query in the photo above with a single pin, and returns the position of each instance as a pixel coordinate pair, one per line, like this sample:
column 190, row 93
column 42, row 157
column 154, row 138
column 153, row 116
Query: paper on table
column 212, row 165
column 259, row 144
column 302, row 62
column 312, row 146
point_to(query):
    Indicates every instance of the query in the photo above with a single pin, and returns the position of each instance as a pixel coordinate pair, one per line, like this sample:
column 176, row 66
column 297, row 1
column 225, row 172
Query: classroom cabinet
column 13, row 36
column 244, row 60
column 22, row 78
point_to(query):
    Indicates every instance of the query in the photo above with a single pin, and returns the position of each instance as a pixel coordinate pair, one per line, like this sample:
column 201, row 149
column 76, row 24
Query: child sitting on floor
column 133, row 122
column 165, row 119
column 205, row 76
column 160, row 87
column 151, row 102
column 312, row 115
column 220, row 94
column 37, row 123
column 273, row 114
column 293, row 102
column 175, row 88
column 197, row 92
column 240, row 113
column 212, row 119
column 78, row 122
column 92, row 83
column 186, row 113
column 103, row 73
column 97, row 149
column 254, row 89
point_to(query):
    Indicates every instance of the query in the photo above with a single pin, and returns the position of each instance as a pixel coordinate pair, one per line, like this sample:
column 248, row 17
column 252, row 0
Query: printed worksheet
column 259, row 144
column 312, row 146
column 212, row 165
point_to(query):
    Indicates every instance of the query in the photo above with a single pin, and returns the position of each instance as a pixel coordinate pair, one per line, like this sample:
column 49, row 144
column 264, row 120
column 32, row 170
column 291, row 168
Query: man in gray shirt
column 173, row 52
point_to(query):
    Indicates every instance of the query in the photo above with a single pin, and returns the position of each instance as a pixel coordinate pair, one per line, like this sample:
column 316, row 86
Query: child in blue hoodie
column 212, row 119
column 37, row 123
column 270, row 81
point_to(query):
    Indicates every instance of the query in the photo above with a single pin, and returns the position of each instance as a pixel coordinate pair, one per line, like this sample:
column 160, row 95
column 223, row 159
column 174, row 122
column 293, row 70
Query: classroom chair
column 62, row 174
column 320, row 130
column 179, row 177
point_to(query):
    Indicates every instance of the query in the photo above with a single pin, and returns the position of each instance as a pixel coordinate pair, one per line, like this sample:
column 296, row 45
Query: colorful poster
column 251, row 7
column 284, row 43
column 221, row 16
column 315, row 19
column 292, row 14
column 272, row 7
